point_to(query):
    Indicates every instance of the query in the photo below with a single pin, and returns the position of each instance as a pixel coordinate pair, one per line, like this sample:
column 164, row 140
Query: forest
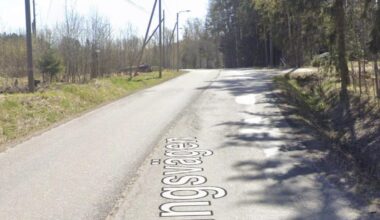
column 339, row 98
column 242, row 33
column 292, row 33
column 340, row 36
column 76, row 50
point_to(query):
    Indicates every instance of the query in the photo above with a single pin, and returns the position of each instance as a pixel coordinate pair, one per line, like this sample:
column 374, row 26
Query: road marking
column 248, row 131
column 184, row 189
column 270, row 170
column 261, row 131
column 271, row 152
column 246, row 99
column 155, row 162
column 255, row 121
column 239, row 78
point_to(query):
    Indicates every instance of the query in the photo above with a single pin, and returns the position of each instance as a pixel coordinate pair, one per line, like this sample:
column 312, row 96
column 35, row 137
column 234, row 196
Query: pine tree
column 50, row 64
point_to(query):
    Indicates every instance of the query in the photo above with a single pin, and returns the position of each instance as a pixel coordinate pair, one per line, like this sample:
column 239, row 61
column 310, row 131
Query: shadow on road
column 298, row 176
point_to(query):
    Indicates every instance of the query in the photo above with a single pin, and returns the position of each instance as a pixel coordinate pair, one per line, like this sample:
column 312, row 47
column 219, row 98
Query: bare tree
column 99, row 36
column 69, row 45
column 131, row 45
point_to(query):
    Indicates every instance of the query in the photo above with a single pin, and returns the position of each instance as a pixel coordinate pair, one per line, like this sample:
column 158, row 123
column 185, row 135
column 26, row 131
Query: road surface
column 208, row 145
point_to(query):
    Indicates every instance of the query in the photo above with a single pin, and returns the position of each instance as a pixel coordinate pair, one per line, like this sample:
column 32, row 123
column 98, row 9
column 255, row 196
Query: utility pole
column 29, row 46
column 34, row 23
column 160, row 33
column 146, row 35
column 164, row 41
column 171, row 43
column 177, row 41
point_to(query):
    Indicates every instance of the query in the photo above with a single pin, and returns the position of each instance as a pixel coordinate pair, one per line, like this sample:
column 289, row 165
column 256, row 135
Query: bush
column 50, row 64
column 320, row 60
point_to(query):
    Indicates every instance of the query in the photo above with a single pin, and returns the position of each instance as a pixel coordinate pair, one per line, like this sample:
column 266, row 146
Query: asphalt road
column 79, row 170
column 207, row 145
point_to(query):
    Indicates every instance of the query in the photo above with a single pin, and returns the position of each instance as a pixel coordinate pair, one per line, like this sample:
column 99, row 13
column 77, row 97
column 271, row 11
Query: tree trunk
column 271, row 49
column 353, row 75
column 376, row 70
column 341, row 43
column 237, row 52
column 266, row 49
column 291, row 40
column 365, row 78
column 360, row 78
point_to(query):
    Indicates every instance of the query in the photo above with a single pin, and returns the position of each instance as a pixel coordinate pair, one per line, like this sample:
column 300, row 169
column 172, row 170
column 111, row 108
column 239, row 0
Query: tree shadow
column 294, row 179
column 236, row 84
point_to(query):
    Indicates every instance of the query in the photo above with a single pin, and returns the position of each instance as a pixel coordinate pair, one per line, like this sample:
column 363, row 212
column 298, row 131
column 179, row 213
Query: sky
column 119, row 12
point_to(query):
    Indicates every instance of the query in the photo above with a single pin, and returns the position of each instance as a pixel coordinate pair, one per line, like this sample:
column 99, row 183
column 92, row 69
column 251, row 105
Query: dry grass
column 354, row 154
column 23, row 114
column 9, row 81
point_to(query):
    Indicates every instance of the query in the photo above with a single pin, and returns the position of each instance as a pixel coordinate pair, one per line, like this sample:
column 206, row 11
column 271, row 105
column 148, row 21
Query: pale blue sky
column 119, row 12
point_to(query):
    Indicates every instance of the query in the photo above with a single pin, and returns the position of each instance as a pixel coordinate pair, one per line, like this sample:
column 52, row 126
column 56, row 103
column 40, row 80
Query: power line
column 166, row 7
column 134, row 4
column 49, row 9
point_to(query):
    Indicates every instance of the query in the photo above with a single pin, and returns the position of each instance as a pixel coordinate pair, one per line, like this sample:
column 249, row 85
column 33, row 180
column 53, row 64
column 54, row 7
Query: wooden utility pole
column 164, row 41
column 146, row 36
column 340, row 27
column 29, row 46
column 178, row 42
column 160, row 33
column 34, row 23
column 171, row 45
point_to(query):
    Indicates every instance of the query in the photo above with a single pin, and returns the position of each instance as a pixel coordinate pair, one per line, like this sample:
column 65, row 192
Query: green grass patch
column 23, row 114
column 311, row 100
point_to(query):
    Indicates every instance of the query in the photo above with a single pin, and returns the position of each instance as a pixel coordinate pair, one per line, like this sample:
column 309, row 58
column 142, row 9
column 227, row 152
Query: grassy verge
column 351, row 142
column 24, row 114
column 309, row 105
